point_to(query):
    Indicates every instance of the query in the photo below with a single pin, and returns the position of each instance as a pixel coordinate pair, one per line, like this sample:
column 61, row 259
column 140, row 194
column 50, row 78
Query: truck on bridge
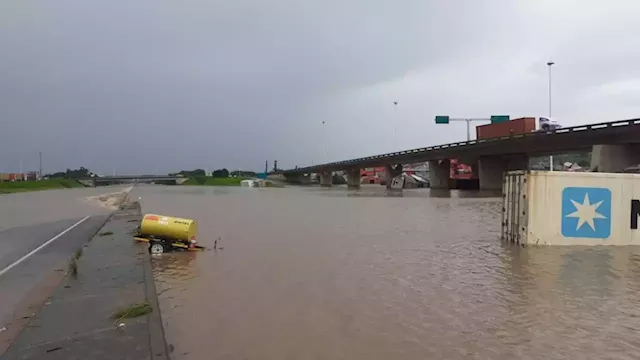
column 516, row 127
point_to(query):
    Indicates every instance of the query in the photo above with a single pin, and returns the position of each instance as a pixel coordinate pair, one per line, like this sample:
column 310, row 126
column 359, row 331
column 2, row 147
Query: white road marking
column 3, row 271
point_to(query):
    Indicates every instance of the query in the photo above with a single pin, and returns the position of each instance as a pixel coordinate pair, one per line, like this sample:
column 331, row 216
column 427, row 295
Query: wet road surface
column 326, row 274
column 28, row 221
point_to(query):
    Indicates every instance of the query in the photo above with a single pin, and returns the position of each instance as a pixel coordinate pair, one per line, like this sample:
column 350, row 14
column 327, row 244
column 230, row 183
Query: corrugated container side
column 556, row 198
column 512, row 127
column 514, row 207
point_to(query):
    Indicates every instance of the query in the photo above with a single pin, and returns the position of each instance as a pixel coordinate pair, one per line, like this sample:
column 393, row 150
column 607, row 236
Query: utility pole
column 395, row 127
column 40, row 171
column 324, row 145
column 549, row 64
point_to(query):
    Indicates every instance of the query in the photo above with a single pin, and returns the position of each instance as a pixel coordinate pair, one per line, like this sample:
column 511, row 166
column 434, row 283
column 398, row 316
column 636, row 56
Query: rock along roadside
column 76, row 322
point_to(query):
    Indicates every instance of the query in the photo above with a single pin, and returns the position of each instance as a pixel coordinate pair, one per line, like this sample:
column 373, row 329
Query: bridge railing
column 567, row 130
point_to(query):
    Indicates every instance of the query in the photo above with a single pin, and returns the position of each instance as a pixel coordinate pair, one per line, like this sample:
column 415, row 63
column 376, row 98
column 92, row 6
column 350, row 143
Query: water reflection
column 310, row 273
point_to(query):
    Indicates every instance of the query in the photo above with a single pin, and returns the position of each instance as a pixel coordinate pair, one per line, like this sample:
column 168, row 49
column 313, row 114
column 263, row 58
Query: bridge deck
column 536, row 143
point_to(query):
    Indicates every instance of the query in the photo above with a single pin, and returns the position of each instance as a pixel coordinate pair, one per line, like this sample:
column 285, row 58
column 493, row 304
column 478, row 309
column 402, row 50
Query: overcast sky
column 147, row 85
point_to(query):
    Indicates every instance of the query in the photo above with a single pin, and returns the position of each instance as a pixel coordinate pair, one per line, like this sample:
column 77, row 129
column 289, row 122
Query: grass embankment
column 8, row 187
column 211, row 181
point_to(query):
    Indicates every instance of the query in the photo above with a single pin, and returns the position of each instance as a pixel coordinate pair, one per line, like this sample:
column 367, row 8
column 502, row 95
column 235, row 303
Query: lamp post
column 549, row 64
column 395, row 127
column 324, row 145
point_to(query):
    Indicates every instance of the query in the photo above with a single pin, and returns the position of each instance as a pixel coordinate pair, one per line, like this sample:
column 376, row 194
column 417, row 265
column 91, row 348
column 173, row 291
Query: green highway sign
column 499, row 118
column 442, row 119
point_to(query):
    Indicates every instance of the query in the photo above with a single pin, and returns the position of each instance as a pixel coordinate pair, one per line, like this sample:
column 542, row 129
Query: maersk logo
column 586, row 212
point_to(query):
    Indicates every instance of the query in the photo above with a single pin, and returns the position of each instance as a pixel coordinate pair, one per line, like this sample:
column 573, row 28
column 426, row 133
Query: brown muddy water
column 310, row 273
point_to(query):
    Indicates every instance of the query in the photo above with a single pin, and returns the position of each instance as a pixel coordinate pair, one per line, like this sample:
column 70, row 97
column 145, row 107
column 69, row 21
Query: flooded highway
column 310, row 273
column 31, row 208
column 38, row 232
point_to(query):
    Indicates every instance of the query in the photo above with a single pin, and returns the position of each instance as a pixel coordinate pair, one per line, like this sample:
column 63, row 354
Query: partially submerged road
column 49, row 227
column 79, row 321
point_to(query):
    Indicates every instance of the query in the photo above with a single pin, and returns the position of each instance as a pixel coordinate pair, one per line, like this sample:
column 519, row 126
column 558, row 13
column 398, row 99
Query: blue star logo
column 586, row 212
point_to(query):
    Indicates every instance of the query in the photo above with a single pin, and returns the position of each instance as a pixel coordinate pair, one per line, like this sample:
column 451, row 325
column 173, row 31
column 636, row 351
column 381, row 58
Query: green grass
column 73, row 267
column 211, row 181
column 8, row 187
column 132, row 311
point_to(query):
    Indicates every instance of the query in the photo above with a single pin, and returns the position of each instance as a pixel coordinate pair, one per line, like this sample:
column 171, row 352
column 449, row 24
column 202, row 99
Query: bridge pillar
column 614, row 158
column 326, row 178
column 490, row 172
column 353, row 178
column 390, row 172
column 439, row 173
column 491, row 169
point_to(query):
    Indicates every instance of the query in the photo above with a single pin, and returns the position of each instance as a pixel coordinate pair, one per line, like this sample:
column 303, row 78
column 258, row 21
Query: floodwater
column 37, row 207
column 310, row 273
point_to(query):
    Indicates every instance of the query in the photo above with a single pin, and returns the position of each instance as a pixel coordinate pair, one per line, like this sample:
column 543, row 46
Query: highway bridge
column 614, row 145
column 93, row 181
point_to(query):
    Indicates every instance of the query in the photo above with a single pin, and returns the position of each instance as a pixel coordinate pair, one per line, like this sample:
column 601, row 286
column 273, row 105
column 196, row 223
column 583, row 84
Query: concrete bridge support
column 614, row 158
column 491, row 169
column 439, row 173
column 353, row 178
column 326, row 178
column 391, row 172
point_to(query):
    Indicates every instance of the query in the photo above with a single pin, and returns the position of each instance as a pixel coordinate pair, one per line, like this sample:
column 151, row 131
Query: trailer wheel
column 156, row 248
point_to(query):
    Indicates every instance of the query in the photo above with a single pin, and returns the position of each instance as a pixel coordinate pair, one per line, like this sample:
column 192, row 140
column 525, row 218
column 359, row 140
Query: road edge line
column 28, row 255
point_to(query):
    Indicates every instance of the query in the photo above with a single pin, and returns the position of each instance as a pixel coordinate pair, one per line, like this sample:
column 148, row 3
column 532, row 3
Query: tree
column 80, row 173
column 191, row 173
column 220, row 173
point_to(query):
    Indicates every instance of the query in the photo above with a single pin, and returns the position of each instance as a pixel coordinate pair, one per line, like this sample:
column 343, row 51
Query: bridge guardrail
column 568, row 130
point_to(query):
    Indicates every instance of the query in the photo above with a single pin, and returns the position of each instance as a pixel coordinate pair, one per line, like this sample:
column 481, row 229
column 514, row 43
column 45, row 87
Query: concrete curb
column 157, row 341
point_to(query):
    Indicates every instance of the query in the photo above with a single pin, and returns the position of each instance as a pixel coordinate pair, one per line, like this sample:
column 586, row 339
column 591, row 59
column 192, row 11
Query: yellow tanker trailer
column 165, row 233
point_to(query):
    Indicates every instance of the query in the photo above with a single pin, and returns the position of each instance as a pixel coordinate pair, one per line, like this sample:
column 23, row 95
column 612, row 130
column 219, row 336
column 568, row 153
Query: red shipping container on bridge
column 512, row 127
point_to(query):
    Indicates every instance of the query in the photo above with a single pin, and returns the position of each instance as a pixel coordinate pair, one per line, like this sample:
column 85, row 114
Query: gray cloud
column 168, row 85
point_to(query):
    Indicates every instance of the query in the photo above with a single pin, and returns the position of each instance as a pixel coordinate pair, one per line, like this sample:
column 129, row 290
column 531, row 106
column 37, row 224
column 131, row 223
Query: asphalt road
column 36, row 244
column 19, row 283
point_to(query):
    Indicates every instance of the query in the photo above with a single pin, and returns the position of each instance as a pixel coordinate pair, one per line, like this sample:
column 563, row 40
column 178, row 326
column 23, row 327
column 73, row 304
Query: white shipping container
column 569, row 208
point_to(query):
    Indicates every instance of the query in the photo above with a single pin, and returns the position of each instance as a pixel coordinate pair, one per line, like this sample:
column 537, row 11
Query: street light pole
column 468, row 129
column 549, row 64
column 395, row 127
column 324, row 146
